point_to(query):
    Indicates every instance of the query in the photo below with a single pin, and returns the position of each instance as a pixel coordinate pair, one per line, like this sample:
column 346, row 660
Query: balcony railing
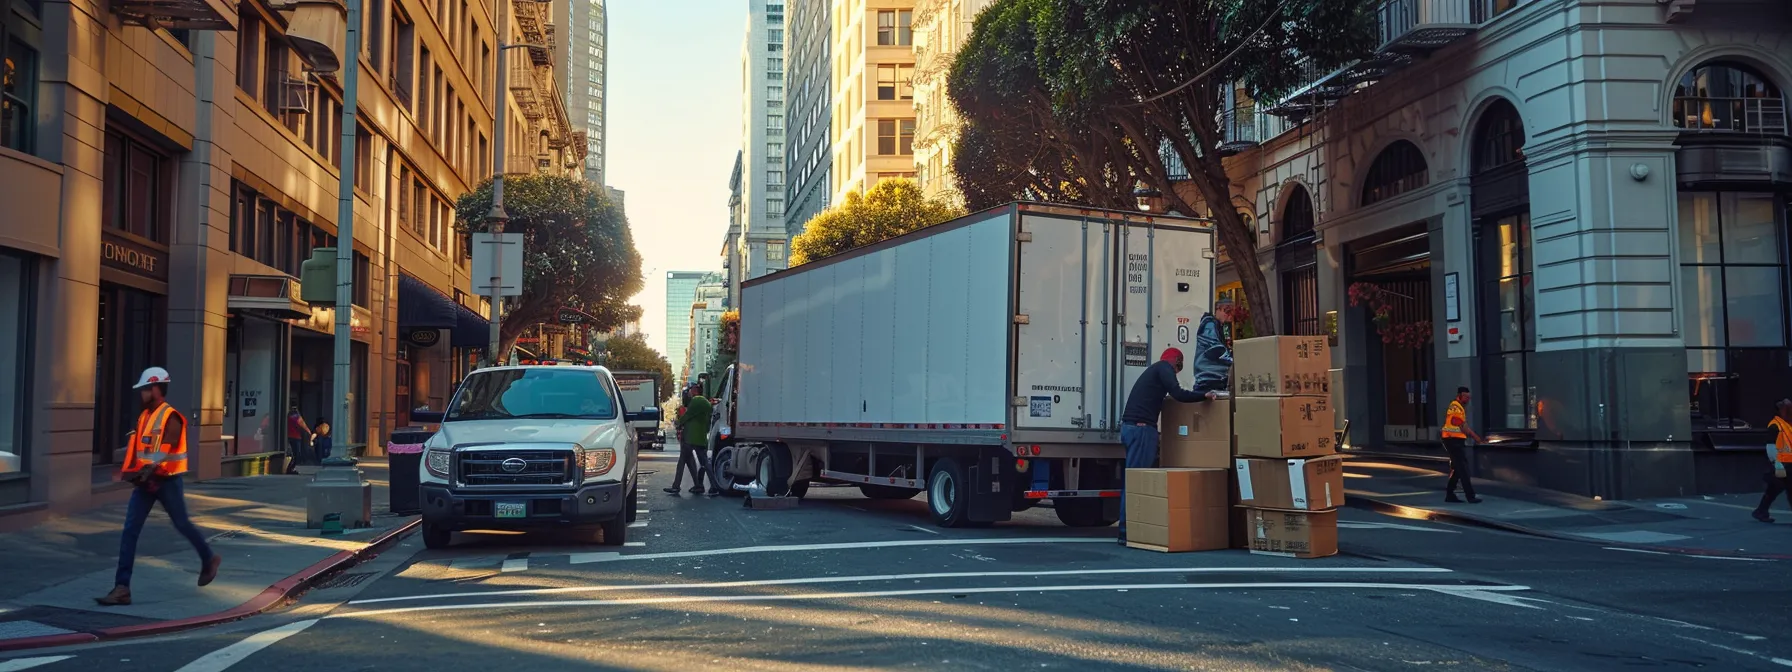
column 1424, row 26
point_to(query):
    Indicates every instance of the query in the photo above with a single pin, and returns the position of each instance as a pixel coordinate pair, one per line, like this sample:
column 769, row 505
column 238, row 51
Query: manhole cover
column 345, row 580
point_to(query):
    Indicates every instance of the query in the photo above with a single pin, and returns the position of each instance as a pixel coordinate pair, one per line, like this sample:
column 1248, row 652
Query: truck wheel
column 1082, row 512
column 949, row 494
column 435, row 536
column 887, row 492
column 615, row 530
column 774, row 471
column 720, row 464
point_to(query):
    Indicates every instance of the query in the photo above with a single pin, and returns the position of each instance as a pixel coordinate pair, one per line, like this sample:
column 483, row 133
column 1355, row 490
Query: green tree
column 890, row 209
column 577, row 251
column 1083, row 100
column 632, row 353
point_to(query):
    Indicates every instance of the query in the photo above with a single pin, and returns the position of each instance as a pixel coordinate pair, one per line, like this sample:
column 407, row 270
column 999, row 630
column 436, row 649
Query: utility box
column 339, row 490
column 317, row 276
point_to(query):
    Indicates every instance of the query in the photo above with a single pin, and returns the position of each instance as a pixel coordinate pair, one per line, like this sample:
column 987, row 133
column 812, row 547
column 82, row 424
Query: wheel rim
column 723, row 464
column 765, row 472
column 943, row 492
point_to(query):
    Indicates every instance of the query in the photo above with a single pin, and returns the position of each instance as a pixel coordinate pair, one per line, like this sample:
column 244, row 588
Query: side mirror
column 648, row 415
column 426, row 416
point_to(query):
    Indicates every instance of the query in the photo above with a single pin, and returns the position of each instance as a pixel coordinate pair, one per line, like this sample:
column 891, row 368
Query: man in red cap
column 1138, row 425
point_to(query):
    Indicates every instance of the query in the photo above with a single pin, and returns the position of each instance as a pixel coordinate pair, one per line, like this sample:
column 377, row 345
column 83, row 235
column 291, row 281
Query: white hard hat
column 151, row 376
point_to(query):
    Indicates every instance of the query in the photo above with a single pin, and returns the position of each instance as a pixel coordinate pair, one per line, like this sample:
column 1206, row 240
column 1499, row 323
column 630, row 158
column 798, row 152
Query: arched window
column 1725, row 96
column 1297, row 216
column 1399, row 169
column 1298, row 262
column 1499, row 138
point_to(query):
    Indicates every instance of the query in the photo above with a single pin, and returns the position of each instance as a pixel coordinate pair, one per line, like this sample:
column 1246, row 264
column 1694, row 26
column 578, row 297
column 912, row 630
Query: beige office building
column 873, row 125
column 941, row 28
column 162, row 186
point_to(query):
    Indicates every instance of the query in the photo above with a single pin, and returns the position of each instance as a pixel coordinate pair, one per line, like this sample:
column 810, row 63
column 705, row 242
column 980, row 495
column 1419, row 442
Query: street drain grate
column 345, row 580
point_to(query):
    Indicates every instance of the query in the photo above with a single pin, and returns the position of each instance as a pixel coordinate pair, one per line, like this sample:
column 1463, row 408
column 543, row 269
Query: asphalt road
column 847, row 583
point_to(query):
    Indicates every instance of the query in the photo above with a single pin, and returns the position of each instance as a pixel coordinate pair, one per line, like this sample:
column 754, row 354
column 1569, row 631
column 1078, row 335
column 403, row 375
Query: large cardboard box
column 1300, row 484
column 1281, row 365
column 1284, row 426
column 1197, row 435
column 1297, row 534
column 1177, row 510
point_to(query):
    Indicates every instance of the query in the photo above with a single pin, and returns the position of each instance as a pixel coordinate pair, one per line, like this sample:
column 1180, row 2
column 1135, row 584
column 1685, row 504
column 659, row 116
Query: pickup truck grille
column 539, row 467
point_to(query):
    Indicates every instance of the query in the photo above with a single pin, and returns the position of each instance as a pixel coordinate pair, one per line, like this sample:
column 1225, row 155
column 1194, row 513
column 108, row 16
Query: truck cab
column 532, row 448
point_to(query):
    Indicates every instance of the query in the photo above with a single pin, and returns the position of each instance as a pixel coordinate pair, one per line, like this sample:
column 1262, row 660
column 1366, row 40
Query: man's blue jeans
column 172, row 495
column 1141, row 453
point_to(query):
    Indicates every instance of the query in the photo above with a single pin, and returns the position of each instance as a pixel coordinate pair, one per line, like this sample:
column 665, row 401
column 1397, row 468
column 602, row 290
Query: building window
column 1299, row 263
column 1499, row 139
column 895, row 81
column 774, row 93
column 19, row 38
column 893, row 28
column 16, row 315
column 895, row 137
column 774, row 64
column 1732, row 297
column 138, row 197
column 774, row 207
column 1399, row 169
column 1729, row 97
column 1509, row 329
column 363, row 277
column 775, row 35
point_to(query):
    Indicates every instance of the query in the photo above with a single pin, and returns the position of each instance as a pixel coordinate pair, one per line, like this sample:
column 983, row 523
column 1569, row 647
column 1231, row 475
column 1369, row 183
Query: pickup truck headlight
column 436, row 461
column 599, row 461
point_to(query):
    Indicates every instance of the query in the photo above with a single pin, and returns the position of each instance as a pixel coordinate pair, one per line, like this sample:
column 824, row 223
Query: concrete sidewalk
column 50, row 573
column 1701, row 525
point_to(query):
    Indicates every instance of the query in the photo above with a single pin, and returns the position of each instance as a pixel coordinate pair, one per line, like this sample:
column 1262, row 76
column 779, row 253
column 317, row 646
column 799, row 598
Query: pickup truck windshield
column 532, row 393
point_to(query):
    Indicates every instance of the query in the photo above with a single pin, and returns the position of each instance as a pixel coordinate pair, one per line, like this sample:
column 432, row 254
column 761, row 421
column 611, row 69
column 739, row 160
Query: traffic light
column 317, row 276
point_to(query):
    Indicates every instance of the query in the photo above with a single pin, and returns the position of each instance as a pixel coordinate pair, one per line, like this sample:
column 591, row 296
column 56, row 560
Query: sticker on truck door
column 1039, row 407
column 1138, row 354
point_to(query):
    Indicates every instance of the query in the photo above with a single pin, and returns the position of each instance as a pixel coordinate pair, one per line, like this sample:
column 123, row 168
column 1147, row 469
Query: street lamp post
column 345, row 231
column 496, row 218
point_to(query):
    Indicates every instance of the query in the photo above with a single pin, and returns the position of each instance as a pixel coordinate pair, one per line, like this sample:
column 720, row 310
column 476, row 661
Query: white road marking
column 923, row 529
column 636, row 544
column 1450, row 590
column 515, row 565
column 581, row 558
column 638, row 524
column 1782, row 661
column 222, row 659
column 1392, row 526
column 1741, row 652
column 1496, row 598
column 917, row 577
column 1723, row 557
column 17, row 664
column 1636, row 550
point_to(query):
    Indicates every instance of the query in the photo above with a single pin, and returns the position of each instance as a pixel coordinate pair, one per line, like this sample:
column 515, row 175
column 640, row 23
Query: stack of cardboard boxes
column 1289, row 479
column 1184, row 505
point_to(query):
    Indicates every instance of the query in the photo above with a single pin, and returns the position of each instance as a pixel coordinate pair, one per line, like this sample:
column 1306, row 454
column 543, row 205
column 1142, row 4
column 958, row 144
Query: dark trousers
column 1141, row 453
column 694, row 459
column 298, row 452
column 172, row 495
column 1458, row 449
column 1775, row 486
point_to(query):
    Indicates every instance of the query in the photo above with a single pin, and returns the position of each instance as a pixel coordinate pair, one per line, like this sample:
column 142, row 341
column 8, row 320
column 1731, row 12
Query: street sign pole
column 496, row 218
column 345, row 230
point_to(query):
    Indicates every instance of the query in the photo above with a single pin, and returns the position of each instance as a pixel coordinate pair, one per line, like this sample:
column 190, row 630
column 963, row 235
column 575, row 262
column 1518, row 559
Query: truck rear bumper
column 589, row 505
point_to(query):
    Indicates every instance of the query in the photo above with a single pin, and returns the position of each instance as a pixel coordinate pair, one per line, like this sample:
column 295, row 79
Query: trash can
column 405, row 456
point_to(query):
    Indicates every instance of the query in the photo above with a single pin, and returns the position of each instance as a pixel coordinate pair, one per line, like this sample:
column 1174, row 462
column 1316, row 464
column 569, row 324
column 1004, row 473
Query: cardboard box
column 1296, row 534
column 1199, row 421
column 1176, row 510
column 1281, row 365
column 1196, row 454
column 1299, row 484
column 1284, row 426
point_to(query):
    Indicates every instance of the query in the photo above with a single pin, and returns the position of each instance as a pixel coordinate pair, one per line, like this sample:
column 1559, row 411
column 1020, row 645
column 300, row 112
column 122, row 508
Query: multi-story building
column 762, row 238
column 941, row 27
column 583, row 55
column 1576, row 210
column 873, row 110
column 159, row 205
column 731, row 247
column 706, row 328
column 681, row 291
column 807, row 103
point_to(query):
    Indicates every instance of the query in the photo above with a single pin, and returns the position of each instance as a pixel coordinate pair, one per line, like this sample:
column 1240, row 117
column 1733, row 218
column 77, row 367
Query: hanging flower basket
column 1380, row 302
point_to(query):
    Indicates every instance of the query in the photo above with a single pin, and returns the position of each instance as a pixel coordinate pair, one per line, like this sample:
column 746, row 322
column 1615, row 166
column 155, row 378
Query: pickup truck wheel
column 949, row 494
column 435, row 536
column 887, row 492
column 616, row 530
column 774, row 471
column 1082, row 512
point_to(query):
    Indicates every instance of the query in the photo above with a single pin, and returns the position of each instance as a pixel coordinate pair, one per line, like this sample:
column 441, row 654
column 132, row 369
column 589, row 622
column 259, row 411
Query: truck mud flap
column 990, row 502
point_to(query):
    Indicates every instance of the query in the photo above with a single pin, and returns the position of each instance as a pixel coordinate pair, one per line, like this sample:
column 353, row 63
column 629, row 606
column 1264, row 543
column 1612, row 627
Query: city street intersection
column 842, row 582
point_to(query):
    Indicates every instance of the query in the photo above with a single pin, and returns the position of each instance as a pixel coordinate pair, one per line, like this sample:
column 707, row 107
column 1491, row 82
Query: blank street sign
column 505, row 247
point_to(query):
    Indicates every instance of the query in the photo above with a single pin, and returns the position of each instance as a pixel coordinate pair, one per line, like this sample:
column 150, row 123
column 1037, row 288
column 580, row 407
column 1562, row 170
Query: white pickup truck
column 531, row 447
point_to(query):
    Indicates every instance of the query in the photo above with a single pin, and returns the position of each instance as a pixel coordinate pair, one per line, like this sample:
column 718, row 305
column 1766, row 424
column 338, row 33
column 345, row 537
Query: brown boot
column 119, row 597
column 210, row 571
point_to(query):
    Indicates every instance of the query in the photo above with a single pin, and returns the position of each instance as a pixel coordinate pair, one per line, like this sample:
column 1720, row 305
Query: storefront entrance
column 1396, row 267
column 133, row 331
column 254, row 386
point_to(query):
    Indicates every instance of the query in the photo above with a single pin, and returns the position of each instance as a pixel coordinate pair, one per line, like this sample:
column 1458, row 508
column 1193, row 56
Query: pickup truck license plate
column 512, row 509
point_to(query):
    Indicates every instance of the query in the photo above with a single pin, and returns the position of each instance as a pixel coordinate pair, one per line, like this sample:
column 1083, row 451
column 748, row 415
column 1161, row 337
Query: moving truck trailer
column 984, row 361
column 641, row 392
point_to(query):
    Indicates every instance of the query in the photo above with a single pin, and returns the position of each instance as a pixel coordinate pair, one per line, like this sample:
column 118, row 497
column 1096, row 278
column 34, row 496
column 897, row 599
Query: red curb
column 1405, row 511
column 274, row 596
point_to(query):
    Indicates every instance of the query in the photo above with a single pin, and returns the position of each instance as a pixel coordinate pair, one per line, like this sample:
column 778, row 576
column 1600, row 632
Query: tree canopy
column 577, row 251
column 632, row 353
column 890, row 209
column 1082, row 101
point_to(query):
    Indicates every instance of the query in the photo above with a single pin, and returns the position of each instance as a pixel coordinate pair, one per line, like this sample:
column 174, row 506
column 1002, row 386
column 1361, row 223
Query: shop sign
column 133, row 257
column 569, row 315
column 424, row 338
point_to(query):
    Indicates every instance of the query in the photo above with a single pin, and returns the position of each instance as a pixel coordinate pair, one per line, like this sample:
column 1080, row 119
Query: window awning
column 274, row 296
column 422, row 307
column 470, row 330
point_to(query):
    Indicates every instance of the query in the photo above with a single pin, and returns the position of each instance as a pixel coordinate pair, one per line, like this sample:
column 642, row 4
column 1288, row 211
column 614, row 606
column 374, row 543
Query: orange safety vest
column 152, row 444
column 1782, row 441
column 1454, row 416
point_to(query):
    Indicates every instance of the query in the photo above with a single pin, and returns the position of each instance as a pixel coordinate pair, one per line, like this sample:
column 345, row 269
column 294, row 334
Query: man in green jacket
column 693, row 443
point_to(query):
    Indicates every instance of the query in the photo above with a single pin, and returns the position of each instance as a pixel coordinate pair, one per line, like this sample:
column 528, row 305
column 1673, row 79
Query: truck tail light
column 598, row 462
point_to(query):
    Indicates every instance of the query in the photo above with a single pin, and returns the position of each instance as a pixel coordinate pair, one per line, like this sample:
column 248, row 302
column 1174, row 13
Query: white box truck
column 984, row 361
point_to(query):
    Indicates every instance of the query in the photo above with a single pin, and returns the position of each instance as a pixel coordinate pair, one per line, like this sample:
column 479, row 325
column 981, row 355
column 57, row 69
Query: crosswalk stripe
column 17, row 664
column 515, row 564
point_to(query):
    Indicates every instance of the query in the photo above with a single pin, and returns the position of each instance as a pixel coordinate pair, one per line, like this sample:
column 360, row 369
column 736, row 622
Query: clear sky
column 674, row 126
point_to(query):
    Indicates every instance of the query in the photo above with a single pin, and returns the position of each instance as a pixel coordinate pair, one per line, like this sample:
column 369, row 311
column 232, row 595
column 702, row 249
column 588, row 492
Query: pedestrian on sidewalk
column 1779, row 454
column 154, row 463
column 1456, row 434
column 321, row 441
column 693, row 443
column 297, row 436
column 1138, row 428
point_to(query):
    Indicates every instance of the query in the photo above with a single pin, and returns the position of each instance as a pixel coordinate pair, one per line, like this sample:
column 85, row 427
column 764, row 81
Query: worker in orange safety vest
column 1456, row 433
column 1779, row 454
column 154, row 463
